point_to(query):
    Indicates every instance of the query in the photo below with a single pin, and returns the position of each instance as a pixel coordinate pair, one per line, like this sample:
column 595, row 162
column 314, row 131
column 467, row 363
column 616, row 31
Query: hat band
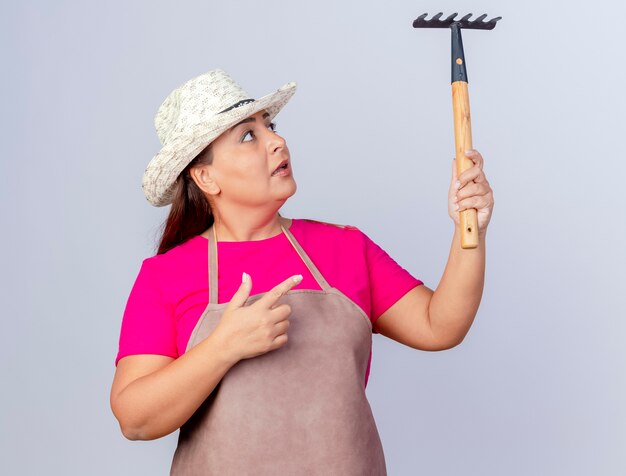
column 240, row 103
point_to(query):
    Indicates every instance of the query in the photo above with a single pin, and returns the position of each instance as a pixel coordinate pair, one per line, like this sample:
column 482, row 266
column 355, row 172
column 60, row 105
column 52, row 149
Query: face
column 244, row 158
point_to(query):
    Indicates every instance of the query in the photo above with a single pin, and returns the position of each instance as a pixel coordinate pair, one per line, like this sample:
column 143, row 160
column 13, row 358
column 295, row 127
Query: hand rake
column 460, row 104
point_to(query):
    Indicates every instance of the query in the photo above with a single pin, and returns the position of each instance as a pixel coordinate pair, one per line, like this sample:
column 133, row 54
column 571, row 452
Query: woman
column 263, row 364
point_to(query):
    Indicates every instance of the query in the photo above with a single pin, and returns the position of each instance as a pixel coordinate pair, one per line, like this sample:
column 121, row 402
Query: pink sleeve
column 148, row 324
column 388, row 280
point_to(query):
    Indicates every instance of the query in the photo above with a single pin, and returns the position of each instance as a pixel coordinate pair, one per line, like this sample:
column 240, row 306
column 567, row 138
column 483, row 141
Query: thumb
column 454, row 177
column 454, row 174
column 242, row 294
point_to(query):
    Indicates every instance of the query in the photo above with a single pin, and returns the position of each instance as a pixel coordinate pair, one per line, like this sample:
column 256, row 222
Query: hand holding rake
column 471, row 191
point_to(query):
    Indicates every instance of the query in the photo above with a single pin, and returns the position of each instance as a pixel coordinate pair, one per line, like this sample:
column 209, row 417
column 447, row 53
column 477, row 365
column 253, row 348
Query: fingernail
column 244, row 277
column 468, row 152
column 457, row 207
column 297, row 278
column 458, row 184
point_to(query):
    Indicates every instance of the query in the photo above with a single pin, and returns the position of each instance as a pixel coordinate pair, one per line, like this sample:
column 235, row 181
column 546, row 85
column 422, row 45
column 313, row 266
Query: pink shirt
column 170, row 292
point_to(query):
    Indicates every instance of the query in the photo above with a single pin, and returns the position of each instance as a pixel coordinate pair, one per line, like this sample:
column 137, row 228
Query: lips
column 281, row 166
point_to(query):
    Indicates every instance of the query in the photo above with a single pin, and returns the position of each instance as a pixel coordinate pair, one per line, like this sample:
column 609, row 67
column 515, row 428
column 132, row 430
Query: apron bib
column 300, row 409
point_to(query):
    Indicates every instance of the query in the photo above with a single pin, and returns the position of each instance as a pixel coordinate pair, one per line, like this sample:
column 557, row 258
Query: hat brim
column 165, row 167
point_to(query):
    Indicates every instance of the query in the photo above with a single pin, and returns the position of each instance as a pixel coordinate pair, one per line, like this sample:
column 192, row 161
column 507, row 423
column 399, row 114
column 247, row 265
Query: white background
column 537, row 387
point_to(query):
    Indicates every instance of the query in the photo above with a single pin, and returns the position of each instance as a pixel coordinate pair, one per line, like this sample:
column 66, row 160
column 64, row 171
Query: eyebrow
column 250, row 119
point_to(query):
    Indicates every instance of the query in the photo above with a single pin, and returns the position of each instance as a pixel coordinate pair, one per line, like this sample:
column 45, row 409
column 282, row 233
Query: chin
column 291, row 191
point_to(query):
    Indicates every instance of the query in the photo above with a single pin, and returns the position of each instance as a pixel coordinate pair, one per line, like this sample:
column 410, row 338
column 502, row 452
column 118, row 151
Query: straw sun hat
column 192, row 116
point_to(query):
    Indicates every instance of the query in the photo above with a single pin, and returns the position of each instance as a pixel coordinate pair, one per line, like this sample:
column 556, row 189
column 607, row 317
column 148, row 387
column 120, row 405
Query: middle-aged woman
column 262, row 373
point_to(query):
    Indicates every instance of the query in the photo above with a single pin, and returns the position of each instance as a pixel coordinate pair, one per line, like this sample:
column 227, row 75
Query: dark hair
column 190, row 213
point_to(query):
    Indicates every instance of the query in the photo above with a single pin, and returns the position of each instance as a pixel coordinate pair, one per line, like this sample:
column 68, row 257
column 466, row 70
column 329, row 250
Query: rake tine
column 479, row 19
column 492, row 22
column 450, row 18
column 436, row 18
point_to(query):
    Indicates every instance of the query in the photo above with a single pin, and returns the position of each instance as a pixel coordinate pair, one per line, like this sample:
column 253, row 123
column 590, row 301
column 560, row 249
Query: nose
column 275, row 143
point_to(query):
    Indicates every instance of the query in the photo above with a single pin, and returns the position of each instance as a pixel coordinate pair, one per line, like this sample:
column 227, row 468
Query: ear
column 202, row 176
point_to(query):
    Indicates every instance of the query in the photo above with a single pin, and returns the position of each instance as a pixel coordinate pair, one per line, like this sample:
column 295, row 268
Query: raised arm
column 440, row 319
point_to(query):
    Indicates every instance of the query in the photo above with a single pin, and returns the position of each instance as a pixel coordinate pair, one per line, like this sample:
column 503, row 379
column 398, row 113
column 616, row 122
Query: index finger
column 475, row 157
column 274, row 294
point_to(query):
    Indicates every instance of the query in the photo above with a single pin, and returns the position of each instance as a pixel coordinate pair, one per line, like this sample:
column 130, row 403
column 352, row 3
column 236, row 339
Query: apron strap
column 212, row 269
column 307, row 261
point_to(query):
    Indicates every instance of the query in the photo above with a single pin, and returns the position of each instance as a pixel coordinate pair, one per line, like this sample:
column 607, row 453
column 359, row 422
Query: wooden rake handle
column 463, row 142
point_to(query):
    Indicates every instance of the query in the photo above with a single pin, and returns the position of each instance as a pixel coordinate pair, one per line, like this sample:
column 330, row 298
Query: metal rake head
column 435, row 22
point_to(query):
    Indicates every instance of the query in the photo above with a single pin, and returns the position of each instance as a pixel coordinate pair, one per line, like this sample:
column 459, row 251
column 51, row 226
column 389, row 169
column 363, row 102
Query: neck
column 248, row 227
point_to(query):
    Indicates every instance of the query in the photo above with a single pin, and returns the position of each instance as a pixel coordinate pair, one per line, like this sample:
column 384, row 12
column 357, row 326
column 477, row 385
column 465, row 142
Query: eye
column 271, row 126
